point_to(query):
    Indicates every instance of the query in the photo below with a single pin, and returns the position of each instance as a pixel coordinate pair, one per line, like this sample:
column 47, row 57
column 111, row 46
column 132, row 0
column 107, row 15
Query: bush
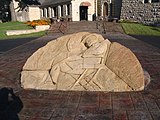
column 38, row 22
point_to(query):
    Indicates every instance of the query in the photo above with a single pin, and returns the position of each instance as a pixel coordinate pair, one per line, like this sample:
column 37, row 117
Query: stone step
column 82, row 26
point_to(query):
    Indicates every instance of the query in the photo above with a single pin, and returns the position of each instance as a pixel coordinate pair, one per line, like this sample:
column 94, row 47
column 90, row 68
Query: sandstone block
column 124, row 64
column 106, row 80
column 37, row 80
column 84, row 62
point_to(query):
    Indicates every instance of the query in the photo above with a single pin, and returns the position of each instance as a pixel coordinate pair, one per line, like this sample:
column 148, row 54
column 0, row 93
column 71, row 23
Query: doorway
column 105, row 9
column 83, row 13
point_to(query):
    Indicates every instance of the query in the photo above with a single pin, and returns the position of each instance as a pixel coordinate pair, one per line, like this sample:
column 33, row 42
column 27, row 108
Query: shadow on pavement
column 153, row 40
column 10, row 104
column 8, row 44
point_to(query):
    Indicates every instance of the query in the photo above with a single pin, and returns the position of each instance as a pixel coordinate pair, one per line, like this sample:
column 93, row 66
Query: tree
column 7, row 9
column 23, row 3
column 4, row 10
column 12, row 11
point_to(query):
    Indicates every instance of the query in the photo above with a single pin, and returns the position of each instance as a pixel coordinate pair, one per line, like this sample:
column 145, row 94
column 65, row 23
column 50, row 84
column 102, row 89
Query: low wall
column 20, row 32
column 42, row 27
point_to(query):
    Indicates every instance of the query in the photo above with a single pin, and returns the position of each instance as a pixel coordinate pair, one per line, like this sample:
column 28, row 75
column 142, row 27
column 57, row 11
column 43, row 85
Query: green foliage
column 4, row 10
column 139, row 29
column 16, row 26
column 23, row 3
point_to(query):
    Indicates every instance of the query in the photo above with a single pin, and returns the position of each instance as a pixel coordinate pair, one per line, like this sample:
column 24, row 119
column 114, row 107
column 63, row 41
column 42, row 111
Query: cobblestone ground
column 71, row 105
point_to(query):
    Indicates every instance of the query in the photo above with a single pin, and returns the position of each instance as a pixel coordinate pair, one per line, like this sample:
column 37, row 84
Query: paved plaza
column 75, row 105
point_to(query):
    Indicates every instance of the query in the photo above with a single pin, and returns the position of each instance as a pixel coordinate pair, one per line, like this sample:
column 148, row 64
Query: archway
column 84, row 10
column 105, row 9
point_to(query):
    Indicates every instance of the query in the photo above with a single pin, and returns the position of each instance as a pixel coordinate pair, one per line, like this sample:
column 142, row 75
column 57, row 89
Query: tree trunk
column 12, row 10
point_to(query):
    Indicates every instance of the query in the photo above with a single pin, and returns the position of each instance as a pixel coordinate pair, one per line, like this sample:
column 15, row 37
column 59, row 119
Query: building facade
column 144, row 11
column 75, row 9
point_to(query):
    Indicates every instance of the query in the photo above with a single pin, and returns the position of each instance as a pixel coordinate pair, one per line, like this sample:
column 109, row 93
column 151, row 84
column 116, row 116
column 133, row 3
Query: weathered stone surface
column 107, row 80
column 37, row 80
column 83, row 61
column 126, row 66
column 137, row 10
column 43, row 58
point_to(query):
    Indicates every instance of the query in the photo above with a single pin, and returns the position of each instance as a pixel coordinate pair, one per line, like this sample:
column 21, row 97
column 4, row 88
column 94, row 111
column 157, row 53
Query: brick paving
column 8, row 44
column 76, row 105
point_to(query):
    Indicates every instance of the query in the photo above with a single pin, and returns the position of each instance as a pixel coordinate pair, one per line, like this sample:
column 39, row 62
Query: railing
column 58, row 27
column 100, row 24
column 63, row 26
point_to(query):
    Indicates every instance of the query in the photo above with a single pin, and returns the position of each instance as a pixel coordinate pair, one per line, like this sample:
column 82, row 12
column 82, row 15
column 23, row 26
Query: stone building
column 111, row 8
column 75, row 9
column 144, row 11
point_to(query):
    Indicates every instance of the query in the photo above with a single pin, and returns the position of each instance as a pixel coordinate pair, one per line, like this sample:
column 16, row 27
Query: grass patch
column 14, row 26
column 17, row 26
column 139, row 29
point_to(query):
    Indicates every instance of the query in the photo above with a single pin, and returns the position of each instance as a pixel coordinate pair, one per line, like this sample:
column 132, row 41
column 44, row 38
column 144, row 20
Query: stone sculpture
column 85, row 62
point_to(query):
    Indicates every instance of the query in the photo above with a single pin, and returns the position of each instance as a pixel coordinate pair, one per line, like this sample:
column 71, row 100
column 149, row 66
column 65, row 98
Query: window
column 146, row 1
column 61, row 10
column 55, row 11
column 153, row 1
column 68, row 9
column 43, row 12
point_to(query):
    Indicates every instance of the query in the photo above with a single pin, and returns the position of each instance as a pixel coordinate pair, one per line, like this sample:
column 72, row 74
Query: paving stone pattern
column 60, row 105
